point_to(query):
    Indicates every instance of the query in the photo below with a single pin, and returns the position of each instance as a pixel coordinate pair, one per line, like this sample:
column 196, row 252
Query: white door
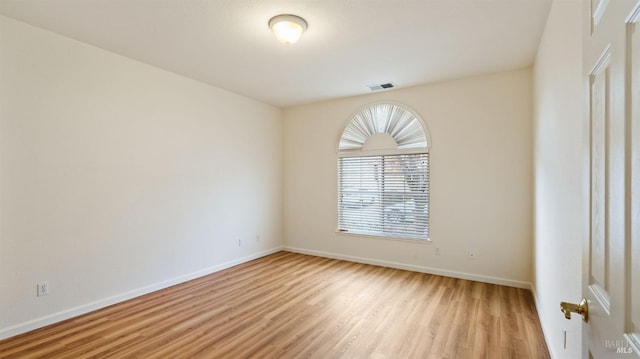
column 611, row 254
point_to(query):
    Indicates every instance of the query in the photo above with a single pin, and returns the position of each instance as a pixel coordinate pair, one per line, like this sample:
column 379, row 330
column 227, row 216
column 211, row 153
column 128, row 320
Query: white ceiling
column 349, row 43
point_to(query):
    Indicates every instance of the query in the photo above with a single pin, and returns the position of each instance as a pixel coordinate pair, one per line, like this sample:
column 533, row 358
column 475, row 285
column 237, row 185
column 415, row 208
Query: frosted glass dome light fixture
column 287, row 28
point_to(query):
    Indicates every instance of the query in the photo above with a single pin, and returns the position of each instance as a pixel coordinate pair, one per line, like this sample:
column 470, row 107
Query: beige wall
column 560, row 169
column 117, row 178
column 481, row 179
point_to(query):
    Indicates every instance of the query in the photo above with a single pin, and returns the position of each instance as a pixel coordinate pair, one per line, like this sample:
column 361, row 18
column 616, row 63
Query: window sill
column 372, row 236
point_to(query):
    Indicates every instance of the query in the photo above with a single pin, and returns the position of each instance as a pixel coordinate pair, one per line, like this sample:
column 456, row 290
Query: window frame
column 344, row 153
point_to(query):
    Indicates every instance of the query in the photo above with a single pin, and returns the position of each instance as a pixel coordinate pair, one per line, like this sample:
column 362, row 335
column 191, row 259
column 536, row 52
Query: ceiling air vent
column 378, row 87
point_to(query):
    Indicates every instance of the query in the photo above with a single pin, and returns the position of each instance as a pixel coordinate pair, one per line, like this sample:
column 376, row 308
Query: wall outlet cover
column 42, row 289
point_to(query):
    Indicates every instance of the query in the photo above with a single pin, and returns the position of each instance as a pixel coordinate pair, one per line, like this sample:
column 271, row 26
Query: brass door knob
column 582, row 308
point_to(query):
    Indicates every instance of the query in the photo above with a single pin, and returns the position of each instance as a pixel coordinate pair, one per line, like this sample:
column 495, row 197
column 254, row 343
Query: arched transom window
column 383, row 174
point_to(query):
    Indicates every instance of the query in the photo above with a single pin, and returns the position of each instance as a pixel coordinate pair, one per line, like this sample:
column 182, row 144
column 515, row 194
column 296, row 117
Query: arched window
column 383, row 174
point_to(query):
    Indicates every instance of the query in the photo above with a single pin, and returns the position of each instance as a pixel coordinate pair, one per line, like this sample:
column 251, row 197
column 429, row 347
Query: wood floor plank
column 289, row 305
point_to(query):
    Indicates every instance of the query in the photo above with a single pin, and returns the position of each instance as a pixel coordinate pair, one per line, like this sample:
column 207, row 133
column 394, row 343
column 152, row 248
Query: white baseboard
column 89, row 307
column 414, row 268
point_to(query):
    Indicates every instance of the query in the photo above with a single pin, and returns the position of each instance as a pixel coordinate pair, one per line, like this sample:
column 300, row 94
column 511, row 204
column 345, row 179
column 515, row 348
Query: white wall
column 481, row 179
column 559, row 172
column 117, row 178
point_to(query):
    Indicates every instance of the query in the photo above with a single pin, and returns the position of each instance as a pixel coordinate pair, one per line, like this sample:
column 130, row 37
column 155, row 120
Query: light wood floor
column 290, row 305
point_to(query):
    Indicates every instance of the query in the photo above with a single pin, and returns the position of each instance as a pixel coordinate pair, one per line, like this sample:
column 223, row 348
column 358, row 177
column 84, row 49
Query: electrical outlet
column 257, row 239
column 43, row 289
column 472, row 255
column 436, row 251
column 239, row 242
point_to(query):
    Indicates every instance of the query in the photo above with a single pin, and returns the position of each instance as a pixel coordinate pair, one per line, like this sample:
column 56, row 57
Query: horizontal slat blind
column 385, row 195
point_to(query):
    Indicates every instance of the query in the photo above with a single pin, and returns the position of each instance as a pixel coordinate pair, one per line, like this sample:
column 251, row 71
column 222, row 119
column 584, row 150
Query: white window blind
column 386, row 195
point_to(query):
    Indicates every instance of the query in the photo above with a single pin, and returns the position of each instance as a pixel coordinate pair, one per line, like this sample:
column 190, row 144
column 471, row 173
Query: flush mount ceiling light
column 288, row 28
